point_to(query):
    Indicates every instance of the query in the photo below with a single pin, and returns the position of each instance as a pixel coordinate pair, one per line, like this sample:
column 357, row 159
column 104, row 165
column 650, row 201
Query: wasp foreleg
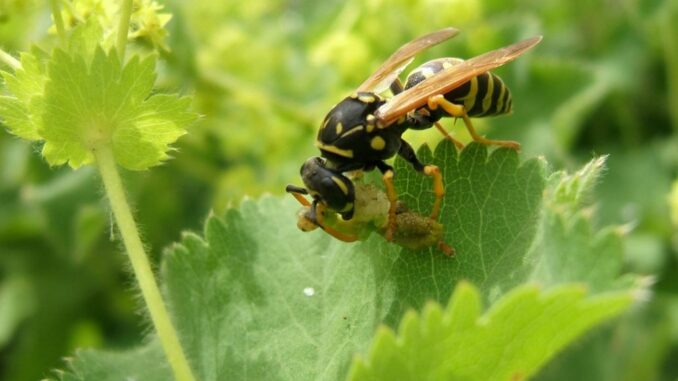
column 312, row 215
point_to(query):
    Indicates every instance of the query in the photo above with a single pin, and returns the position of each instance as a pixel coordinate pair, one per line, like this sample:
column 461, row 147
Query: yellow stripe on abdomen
column 500, row 99
column 470, row 98
column 487, row 100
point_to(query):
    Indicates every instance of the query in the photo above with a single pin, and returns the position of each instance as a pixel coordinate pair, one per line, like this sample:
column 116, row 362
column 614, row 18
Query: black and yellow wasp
column 365, row 129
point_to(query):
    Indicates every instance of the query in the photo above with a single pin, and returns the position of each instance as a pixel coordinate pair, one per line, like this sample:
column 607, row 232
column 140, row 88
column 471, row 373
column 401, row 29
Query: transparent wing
column 381, row 79
column 448, row 80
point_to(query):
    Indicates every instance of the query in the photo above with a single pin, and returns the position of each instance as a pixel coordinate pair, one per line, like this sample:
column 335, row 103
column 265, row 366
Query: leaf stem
column 123, row 27
column 58, row 20
column 10, row 61
column 140, row 265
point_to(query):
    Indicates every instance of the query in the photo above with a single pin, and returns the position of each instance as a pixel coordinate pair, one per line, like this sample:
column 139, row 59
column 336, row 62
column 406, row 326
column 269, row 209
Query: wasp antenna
column 295, row 189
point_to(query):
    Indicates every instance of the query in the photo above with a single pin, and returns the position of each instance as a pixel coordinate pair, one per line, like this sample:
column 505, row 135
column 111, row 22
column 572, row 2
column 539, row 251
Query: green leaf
column 85, row 38
column 490, row 213
column 88, row 105
column 80, row 99
column 567, row 193
column 283, row 309
column 28, row 81
column 255, row 298
column 146, row 363
column 21, row 111
column 633, row 349
column 521, row 331
column 567, row 249
column 570, row 249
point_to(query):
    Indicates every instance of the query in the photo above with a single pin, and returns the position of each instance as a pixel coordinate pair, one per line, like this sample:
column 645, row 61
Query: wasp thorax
column 349, row 116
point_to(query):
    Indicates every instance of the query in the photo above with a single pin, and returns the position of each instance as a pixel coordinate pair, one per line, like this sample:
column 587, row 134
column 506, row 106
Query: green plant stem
column 141, row 266
column 9, row 60
column 58, row 20
column 123, row 27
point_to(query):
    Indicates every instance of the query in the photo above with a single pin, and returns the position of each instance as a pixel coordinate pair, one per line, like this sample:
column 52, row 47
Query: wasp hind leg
column 407, row 153
column 449, row 137
column 397, row 88
column 459, row 111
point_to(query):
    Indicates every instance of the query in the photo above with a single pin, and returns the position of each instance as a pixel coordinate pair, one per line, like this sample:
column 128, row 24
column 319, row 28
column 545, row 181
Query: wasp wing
column 381, row 79
column 448, row 80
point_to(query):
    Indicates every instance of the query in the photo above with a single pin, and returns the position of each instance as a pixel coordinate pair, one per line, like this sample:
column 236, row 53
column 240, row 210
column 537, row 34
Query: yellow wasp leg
column 458, row 111
column 319, row 216
column 447, row 136
column 302, row 200
column 438, row 188
column 393, row 199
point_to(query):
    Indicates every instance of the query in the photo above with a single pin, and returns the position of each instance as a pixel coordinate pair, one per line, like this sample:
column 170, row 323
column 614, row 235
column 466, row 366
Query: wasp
column 365, row 129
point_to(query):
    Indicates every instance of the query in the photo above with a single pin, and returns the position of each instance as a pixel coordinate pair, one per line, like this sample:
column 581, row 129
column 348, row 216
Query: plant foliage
column 251, row 303
column 263, row 74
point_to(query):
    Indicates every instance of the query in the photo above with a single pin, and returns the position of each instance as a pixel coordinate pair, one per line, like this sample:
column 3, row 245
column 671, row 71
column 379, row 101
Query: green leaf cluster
column 274, row 308
column 148, row 22
column 509, row 342
column 80, row 100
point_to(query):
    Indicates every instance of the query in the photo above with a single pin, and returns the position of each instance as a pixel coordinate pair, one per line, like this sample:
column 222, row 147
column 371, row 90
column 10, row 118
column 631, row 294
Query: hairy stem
column 10, row 61
column 123, row 27
column 58, row 20
column 141, row 266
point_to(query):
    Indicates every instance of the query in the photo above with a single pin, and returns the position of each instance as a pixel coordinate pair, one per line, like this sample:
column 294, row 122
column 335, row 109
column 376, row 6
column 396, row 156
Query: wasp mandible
column 365, row 129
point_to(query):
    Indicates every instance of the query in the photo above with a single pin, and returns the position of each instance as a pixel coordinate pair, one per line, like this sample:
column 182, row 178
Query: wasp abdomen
column 483, row 95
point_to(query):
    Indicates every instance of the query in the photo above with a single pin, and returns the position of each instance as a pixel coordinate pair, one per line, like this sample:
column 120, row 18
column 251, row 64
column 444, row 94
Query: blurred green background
column 264, row 73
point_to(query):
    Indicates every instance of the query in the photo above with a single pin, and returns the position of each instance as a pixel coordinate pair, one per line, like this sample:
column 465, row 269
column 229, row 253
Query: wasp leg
column 387, row 177
column 458, row 111
column 315, row 214
column 447, row 136
column 299, row 194
column 407, row 153
column 307, row 221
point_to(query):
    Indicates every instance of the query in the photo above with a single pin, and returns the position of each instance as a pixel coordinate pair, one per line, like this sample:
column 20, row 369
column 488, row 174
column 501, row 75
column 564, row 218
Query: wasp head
column 328, row 186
